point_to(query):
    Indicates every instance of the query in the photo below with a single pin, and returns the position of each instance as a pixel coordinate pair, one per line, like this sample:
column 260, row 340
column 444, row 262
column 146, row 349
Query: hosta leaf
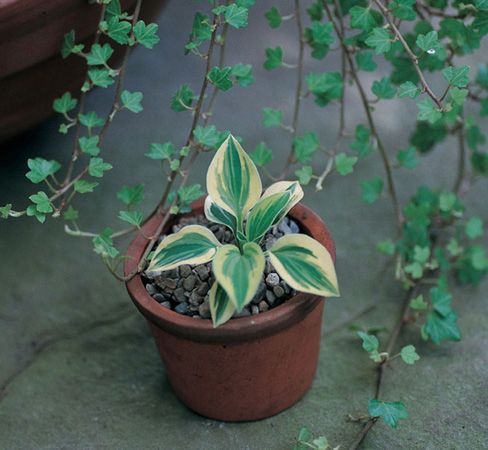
column 221, row 307
column 275, row 203
column 216, row 214
column 232, row 179
column 238, row 273
column 391, row 412
column 193, row 244
column 41, row 168
column 305, row 265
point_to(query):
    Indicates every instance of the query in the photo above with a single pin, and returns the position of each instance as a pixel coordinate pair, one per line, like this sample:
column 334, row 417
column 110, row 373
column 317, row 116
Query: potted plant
column 249, row 367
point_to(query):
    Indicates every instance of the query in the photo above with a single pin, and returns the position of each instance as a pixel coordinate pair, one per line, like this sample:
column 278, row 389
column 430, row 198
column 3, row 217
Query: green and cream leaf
column 232, row 179
column 239, row 273
column 305, row 265
column 193, row 244
column 221, row 308
column 216, row 214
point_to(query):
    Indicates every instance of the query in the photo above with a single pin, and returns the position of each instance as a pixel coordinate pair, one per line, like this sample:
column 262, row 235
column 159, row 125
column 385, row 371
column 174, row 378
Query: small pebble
column 151, row 289
column 270, row 298
column 254, row 310
column 202, row 289
column 179, row 295
column 159, row 297
column 166, row 283
column 185, row 271
column 245, row 312
column 260, row 293
column 268, row 267
column 273, row 279
column 293, row 226
column 269, row 242
column 284, row 228
column 189, row 283
column 204, row 310
column 166, row 304
column 182, row 308
column 278, row 291
column 203, row 272
column 195, row 299
column 263, row 306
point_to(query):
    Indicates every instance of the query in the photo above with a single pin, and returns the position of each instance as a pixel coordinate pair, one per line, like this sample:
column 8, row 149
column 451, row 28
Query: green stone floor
column 79, row 369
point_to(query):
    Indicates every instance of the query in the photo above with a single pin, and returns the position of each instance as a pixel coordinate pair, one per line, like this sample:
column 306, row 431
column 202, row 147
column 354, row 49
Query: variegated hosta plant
column 235, row 200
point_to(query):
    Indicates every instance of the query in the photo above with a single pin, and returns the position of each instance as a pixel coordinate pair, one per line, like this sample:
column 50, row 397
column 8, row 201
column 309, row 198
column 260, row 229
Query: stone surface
column 79, row 369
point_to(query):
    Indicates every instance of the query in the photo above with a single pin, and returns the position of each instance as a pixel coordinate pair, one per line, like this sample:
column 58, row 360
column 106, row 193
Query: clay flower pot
column 248, row 368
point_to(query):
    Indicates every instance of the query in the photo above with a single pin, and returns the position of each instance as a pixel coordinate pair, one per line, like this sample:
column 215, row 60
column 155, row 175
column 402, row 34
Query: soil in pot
column 185, row 289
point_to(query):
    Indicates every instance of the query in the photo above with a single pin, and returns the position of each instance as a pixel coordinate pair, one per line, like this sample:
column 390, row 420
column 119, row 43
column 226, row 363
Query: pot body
column 31, row 34
column 249, row 368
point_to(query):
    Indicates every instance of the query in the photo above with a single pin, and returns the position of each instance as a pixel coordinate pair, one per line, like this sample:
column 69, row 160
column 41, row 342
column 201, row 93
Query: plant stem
column 298, row 91
column 384, row 155
column 461, row 170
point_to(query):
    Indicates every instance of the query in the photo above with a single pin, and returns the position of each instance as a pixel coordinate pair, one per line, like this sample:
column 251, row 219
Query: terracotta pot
column 249, row 368
column 32, row 72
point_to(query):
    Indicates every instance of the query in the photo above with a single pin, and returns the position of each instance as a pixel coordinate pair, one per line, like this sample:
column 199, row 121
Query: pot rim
column 238, row 329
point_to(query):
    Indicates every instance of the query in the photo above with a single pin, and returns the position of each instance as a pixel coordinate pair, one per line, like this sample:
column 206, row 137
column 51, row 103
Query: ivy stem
column 461, row 169
column 369, row 116
column 298, row 92
column 413, row 57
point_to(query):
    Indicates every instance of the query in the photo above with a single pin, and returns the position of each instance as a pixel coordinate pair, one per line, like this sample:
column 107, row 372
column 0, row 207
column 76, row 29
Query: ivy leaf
column 305, row 146
column 345, row 164
column 131, row 196
column 5, row 210
column 447, row 201
column 132, row 101
column 361, row 142
column 133, row 217
column 321, row 33
column 383, row 88
column 474, row 228
column 161, row 151
column 371, row 189
column 365, row 61
column 40, row 169
column 370, row 341
column 261, row 155
column 69, row 45
column 65, row 103
column 207, row 136
column 325, row 86
column 403, row 9
column 83, row 186
column 70, row 213
column 440, row 328
column 103, row 244
column 100, row 77
column 427, row 111
column 187, row 195
column 482, row 5
column 362, row 18
column 380, row 40
column 391, row 412
column 182, row 99
column 304, row 175
column 272, row 117
column 97, row 167
column 479, row 161
column 409, row 355
column 41, row 202
column 458, row 96
column 220, row 78
column 236, row 16
column 91, row 119
column 428, row 42
column 243, row 74
column 418, row 303
column 408, row 89
column 118, row 30
column 457, row 76
column 201, row 31
column 273, row 17
column 274, row 58
column 407, row 158
column 441, row 301
column 146, row 34
column 99, row 55
column 33, row 212
column 89, row 145
column 387, row 247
